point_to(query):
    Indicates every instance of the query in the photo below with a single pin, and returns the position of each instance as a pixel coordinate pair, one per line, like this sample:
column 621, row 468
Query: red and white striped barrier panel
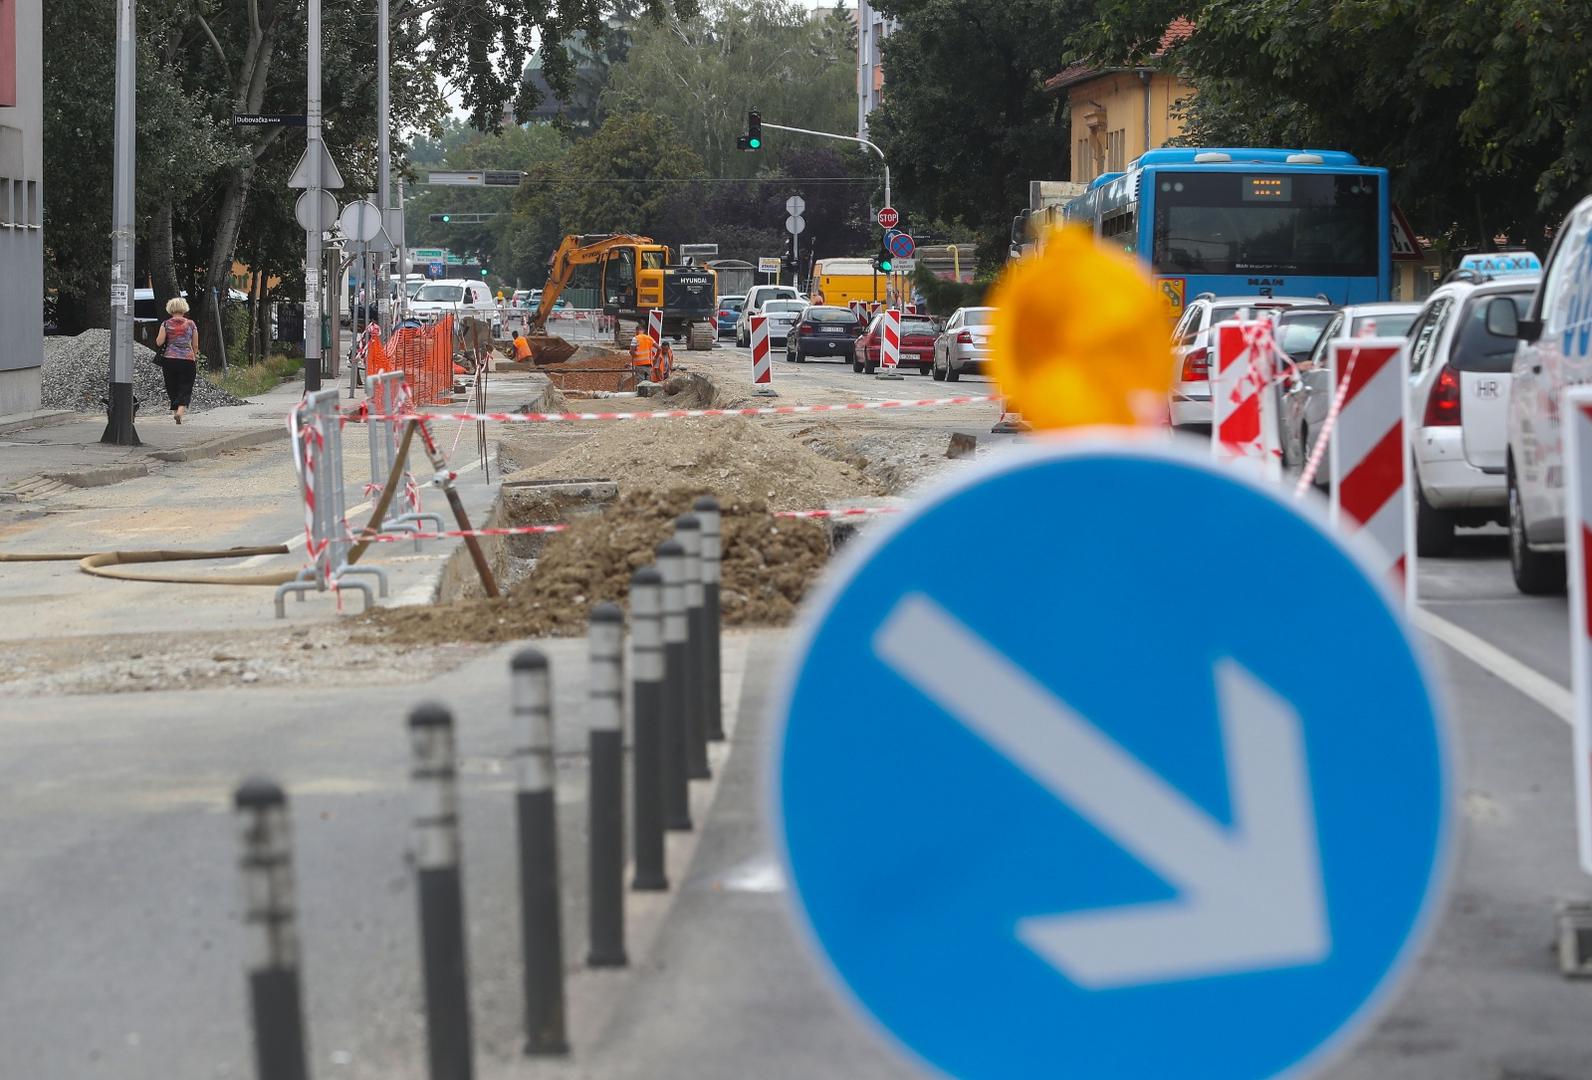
column 1243, row 402
column 655, row 324
column 762, row 370
column 1575, row 414
column 683, row 414
column 890, row 340
column 1370, row 452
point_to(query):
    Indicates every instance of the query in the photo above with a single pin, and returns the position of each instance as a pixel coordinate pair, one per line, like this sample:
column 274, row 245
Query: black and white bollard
column 269, row 917
column 707, row 512
column 646, row 696
column 688, row 531
column 676, row 773
column 435, row 777
column 606, row 797
column 541, row 924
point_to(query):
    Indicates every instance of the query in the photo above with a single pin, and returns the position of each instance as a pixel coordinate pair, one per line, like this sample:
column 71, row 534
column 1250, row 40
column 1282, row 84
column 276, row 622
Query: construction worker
column 643, row 349
column 522, row 348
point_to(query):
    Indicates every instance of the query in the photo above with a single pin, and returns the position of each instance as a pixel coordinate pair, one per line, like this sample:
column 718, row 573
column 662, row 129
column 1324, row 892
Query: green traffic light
column 885, row 264
column 754, row 143
column 483, row 273
column 446, row 218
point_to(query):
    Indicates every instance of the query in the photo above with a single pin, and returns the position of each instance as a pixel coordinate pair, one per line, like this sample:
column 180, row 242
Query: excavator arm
column 572, row 252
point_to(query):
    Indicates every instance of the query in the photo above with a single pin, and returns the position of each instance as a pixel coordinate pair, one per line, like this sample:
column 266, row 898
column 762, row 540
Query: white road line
column 297, row 540
column 1538, row 687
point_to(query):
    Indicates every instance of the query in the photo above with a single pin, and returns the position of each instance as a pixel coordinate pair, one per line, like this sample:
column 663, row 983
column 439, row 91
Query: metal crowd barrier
column 387, row 397
column 318, row 454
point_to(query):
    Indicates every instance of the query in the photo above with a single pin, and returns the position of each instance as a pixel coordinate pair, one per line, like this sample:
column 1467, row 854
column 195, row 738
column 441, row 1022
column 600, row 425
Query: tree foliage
column 705, row 72
column 1478, row 109
column 966, row 121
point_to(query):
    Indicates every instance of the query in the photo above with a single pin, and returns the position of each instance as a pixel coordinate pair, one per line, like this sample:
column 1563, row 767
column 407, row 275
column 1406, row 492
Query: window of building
column 7, row 211
column 8, row 52
column 1116, row 144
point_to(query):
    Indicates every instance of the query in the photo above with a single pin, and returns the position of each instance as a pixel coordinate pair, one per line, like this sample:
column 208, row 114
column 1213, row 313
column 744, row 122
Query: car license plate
column 831, row 329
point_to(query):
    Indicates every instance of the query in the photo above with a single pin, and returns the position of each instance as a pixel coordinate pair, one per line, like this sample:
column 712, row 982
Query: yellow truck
column 844, row 280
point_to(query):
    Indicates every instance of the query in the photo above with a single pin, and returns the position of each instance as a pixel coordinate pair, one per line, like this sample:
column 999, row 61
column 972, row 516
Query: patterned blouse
column 179, row 337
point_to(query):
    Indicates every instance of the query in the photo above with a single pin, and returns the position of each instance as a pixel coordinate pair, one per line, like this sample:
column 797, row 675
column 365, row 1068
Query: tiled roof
column 1178, row 30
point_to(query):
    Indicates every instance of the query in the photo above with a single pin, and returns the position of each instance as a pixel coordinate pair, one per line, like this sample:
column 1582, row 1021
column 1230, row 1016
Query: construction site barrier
column 387, row 395
column 317, row 438
column 424, row 355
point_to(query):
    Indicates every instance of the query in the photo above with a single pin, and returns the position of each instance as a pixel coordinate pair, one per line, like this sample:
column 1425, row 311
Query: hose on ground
column 107, row 564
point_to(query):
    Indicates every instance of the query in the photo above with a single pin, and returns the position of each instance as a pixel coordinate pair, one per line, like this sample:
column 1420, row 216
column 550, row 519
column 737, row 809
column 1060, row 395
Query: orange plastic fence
column 425, row 356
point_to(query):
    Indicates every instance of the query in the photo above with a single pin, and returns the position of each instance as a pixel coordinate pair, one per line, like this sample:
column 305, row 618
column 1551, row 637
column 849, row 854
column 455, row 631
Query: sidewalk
column 68, row 450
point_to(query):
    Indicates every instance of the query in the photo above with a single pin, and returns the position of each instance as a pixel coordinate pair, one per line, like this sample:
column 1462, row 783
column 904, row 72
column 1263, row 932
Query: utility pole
column 313, row 260
column 119, row 428
column 383, row 149
column 843, row 138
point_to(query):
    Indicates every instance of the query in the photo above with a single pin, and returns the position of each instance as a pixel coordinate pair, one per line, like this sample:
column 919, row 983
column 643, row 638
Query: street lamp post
column 313, row 259
column 843, row 138
column 119, row 428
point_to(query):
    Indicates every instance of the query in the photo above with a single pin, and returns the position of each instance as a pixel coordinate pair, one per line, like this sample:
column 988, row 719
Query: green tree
column 966, row 121
column 1477, row 109
column 705, row 72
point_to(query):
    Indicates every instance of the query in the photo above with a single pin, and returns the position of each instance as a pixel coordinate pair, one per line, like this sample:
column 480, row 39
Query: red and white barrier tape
column 858, row 511
column 1307, row 475
column 685, row 414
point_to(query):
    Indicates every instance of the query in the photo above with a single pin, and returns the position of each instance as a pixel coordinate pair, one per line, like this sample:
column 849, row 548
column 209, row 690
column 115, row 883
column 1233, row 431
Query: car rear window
column 1477, row 349
column 983, row 316
column 1394, row 324
column 1298, row 334
column 782, row 306
column 838, row 315
column 731, row 303
column 917, row 326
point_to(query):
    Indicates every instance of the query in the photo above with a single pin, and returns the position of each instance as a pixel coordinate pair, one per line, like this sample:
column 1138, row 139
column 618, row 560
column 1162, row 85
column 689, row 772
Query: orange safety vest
column 522, row 349
column 641, row 349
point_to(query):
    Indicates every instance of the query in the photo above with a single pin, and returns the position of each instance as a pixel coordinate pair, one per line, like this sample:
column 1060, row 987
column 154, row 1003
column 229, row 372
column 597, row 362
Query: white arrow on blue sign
column 1093, row 811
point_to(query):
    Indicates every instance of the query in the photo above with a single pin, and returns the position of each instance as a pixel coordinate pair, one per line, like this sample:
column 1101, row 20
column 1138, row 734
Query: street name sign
column 268, row 120
column 1053, row 819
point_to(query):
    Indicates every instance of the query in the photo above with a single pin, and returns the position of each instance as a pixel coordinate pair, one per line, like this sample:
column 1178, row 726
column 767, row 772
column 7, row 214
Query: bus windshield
column 1317, row 224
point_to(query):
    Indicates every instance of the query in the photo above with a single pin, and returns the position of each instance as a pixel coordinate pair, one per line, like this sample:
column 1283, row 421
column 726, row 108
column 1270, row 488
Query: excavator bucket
column 549, row 349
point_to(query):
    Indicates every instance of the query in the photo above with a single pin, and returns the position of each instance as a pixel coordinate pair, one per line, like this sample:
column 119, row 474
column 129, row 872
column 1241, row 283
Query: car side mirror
column 1502, row 318
column 1527, row 330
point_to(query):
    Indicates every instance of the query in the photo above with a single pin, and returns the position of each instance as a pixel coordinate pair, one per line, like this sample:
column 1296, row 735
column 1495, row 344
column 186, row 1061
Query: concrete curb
column 41, row 418
column 215, row 447
column 110, row 474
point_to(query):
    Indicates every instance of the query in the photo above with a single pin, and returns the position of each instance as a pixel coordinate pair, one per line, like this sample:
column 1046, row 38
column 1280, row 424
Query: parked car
column 917, row 344
column 461, row 297
column 756, row 297
column 962, row 348
column 729, row 314
column 781, row 316
column 1555, row 351
column 521, row 299
column 824, row 331
column 1460, row 351
column 1194, row 345
column 1307, row 393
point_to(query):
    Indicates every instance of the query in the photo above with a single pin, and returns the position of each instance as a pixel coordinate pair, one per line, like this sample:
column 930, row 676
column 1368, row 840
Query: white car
column 1555, row 351
column 461, row 297
column 756, row 297
column 1194, row 349
column 781, row 316
column 1459, row 371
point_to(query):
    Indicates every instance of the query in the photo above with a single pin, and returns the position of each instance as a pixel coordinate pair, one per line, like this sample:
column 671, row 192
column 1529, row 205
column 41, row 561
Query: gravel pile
column 77, row 376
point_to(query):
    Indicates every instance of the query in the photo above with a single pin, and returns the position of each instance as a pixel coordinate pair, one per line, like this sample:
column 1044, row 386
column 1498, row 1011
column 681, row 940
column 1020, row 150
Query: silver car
column 782, row 315
column 963, row 346
column 1307, row 393
column 1194, row 348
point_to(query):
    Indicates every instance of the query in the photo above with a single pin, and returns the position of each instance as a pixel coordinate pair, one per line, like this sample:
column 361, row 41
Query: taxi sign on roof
column 1502, row 263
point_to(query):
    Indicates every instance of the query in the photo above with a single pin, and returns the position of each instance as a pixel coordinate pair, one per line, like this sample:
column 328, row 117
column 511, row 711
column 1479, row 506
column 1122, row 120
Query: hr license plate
column 831, row 329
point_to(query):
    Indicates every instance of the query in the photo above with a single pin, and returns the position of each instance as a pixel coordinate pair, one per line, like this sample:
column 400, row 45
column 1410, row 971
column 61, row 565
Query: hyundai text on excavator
column 635, row 275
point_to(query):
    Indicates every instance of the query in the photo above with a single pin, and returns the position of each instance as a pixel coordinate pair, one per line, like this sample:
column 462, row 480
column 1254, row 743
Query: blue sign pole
column 1077, row 806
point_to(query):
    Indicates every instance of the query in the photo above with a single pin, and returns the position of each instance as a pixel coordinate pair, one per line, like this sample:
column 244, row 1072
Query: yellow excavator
column 636, row 275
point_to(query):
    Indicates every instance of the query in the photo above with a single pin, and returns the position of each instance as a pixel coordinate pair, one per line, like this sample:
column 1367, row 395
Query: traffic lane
column 121, row 864
column 1486, row 999
column 1474, row 589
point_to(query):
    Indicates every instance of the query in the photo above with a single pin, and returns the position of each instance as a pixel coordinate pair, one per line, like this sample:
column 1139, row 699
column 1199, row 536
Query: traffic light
column 884, row 260
column 442, row 218
column 483, row 271
column 753, row 139
column 790, row 248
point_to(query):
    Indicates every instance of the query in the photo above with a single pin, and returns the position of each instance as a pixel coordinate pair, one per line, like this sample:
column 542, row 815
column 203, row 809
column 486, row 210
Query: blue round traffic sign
column 902, row 245
column 1107, row 807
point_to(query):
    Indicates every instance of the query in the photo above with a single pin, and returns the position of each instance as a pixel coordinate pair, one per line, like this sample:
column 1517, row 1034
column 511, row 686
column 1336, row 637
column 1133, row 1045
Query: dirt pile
column 768, row 566
column 737, row 459
column 593, row 368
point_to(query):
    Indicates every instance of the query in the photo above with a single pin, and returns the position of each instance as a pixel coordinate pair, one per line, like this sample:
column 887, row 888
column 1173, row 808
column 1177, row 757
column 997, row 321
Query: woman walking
column 176, row 338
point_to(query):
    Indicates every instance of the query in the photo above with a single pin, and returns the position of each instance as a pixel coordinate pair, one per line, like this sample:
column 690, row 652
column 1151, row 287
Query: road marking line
column 1557, row 699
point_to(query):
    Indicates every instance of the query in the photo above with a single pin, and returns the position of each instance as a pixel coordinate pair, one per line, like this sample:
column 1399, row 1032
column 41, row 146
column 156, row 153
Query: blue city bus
column 1248, row 222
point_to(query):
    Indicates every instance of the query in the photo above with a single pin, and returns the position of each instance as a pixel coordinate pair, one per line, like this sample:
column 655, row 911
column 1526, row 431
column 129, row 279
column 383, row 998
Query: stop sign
column 889, row 218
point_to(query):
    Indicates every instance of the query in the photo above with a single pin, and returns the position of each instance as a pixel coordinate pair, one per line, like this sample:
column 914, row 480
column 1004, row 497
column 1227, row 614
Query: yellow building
column 1119, row 113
